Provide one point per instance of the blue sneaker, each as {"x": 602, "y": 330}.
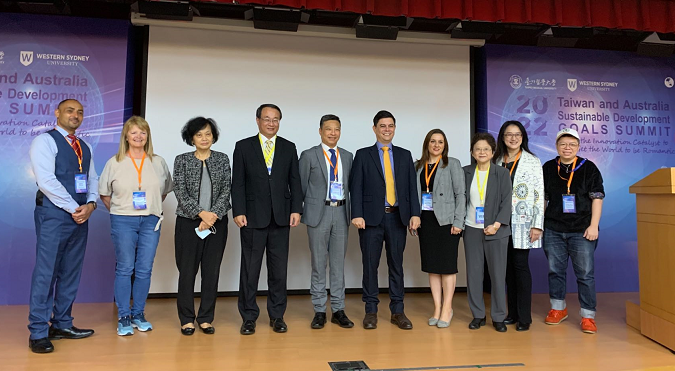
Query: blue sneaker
{"x": 139, "y": 322}
{"x": 124, "y": 326}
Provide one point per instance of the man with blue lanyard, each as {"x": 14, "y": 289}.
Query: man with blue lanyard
{"x": 66, "y": 197}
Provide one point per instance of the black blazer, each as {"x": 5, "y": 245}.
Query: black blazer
{"x": 368, "y": 191}
{"x": 260, "y": 195}
{"x": 497, "y": 198}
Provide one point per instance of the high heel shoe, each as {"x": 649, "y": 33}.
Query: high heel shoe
{"x": 443, "y": 324}
{"x": 433, "y": 321}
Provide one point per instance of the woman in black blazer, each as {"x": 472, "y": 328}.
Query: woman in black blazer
{"x": 486, "y": 233}
{"x": 202, "y": 181}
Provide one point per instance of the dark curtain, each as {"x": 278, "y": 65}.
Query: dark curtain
{"x": 643, "y": 15}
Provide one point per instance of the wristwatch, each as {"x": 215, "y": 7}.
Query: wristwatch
{"x": 93, "y": 203}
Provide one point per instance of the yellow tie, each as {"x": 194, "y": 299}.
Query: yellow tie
{"x": 268, "y": 154}
{"x": 389, "y": 177}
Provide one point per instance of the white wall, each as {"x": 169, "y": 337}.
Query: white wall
{"x": 226, "y": 75}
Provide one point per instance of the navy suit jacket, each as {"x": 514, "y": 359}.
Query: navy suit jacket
{"x": 368, "y": 190}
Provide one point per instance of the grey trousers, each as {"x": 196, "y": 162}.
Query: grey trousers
{"x": 328, "y": 244}
{"x": 476, "y": 250}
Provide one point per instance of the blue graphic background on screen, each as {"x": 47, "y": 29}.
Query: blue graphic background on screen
{"x": 531, "y": 85}
{"x": 105, "y": 43}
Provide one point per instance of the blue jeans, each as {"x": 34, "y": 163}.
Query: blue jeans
{"x": 559, "y": 247}
{"x": 135, "y": 241}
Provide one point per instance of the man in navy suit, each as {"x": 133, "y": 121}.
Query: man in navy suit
{"x": 384, "y": 203}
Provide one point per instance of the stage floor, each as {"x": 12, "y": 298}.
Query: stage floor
{"x": 564, "y": 347}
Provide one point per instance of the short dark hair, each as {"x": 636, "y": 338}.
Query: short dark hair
{"x": 196, "y": 124}
{"x": 258, "y": 112}
{"x": 383, "y": 115}
{"x": 486, "y": 137}
{"x": 58, "y": 106}
{"x": 328, "y": 117}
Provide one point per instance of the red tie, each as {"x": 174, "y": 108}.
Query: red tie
{"x": 76, "y": 146}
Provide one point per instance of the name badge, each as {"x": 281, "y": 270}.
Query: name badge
{"x": 427, "y": 201}
{"x": 337, "y": 191}
{"x": 480, "y": 215}
{"x": 80, "y": 183}
{"x": 569, "y": 204}
{"x": 139, "y": 200}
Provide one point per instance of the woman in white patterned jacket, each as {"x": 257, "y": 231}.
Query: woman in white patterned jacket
{"x": 527, "y": 218}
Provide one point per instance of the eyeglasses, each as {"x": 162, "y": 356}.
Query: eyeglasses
{"x": 268, "y": 120}
{"x": 513, "y": 135}
{"x": 479, "y": 150}
{"x": 568, "y": 145}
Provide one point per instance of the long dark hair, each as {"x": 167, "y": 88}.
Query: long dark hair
{"x": 425, "y": 149}
{"x": 501, "y": 146}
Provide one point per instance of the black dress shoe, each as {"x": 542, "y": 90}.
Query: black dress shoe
{"x": 341, "y": 319}
{"x": 69, "y": 333}
{"x": 522, "y": 326}
{"x": 187, "y": 331}
{"x": 476, "y": 323}
{"x": 509, "y": 321}
{"x": 41, "y": 345}
{"x": 319, "y": 320}
{"x": 208, "y": 330}
{"x": 278, "y": 325}
{"x": 499, "y": 326}
{"x": 370, "y": 321}
{"x": 400, "y": 320}
{"x": 247, "y": 328}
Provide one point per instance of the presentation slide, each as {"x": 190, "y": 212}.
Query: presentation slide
{"x": 44, "y": 60}
{"x": 226, "y": 75}
{"x": 623, "y": 106}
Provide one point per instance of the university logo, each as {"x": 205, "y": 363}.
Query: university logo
{"x": 2, "y": 55}
{"x": 668, "y": 81}
{"x": 26, "y": 58}
{"x": 572, "y": 84}
{"x": 516, "y": 81}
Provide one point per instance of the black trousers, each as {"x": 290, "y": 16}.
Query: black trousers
{"x": 393, "y": 233}
{"x": 191, "y": 252}
{"x": 519, "y": 284}
{"x": 272, "y": 239}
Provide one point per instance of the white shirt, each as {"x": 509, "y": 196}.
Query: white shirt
{"x": 330, "y": 169}
{"x": 474, "y": 200}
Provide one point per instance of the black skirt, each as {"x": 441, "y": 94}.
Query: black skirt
{"x": 438, "y": 246}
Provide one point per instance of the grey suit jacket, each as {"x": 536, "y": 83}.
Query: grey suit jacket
{"x": 497, "y": 198}
{"x": 314, "y": 178}
{"x": 448, "y": 193}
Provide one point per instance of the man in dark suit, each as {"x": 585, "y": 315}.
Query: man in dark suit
{"x": 384, "y": 202}
{"x": 324, "y": 174}
{"x": 266, "y": 202}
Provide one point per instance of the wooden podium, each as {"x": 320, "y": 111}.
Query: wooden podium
{"x": 654, "y": 317}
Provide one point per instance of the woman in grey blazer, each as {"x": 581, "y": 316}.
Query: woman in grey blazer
{"x": 486, "y": 233}
{"x": 202, "y": 184}
{"x": 441, "y": 194}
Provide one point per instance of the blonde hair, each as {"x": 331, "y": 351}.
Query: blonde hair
{"x": 124, "y": 145}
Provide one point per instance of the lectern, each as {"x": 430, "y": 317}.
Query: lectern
{"x": 655, "y": 206}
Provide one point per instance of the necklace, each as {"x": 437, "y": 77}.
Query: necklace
{"x": 567, "y": 167}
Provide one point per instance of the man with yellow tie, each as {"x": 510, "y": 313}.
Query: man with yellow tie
{"x": 384, "y": 204}
{"x": 266, "y": 203}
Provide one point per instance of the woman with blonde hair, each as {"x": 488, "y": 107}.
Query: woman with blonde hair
{"x": 132, "y": 186}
